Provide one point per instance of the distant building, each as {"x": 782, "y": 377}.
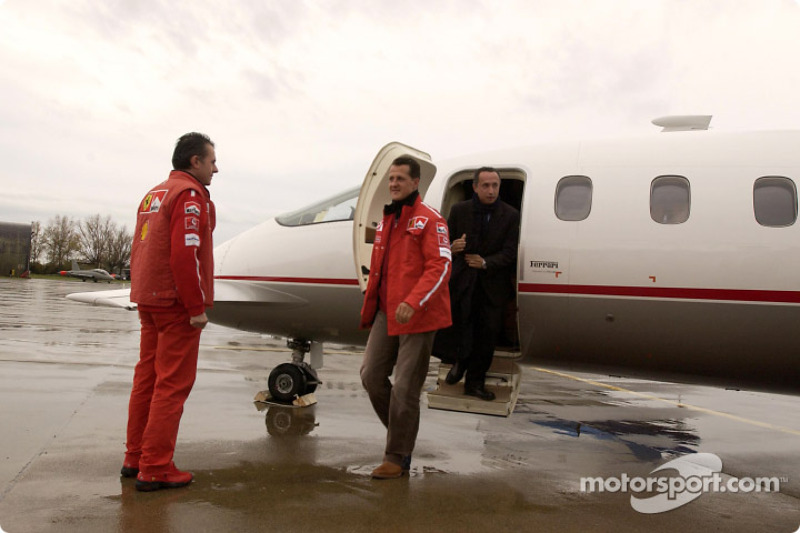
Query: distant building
{"x": 15, "y": 249}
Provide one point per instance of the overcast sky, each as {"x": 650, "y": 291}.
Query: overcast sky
{"x": 300, "y": 95}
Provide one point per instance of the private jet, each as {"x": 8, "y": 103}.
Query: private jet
{"x": 96, "y": 274}
{"x": 672, "y": 256}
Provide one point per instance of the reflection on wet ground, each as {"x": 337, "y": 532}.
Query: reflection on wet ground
{"x": 678, "y": 439}
{"x": 66, "y": 371}
{"x": 289, "y": 421}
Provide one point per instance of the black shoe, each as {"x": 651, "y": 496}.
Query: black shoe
{"x": 455, "y": 374}
{"x": 129, "y": 471}
{"x": 479, "y": 392}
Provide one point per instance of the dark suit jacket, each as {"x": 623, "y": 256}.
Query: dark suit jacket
{"x": 498, "y": 249}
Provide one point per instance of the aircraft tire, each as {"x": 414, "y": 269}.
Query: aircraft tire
{"x": 286, "y": 381}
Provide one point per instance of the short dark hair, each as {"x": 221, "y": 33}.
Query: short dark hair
{"x": 413, "y": 165}
{"x": 483, "y": 169}
{"x": 189, "y": 145}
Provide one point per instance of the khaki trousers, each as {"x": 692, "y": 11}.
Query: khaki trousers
{"x": 397, "y": 404}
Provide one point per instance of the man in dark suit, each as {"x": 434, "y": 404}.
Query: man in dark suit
{"x": 484, "y": 232}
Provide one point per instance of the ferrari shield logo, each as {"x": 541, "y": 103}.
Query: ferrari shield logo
{"x": 152, "y": 202}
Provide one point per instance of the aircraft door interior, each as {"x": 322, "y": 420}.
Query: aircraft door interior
{"x": 374, "y": 194}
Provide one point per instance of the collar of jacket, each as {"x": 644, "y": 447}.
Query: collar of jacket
{"x": 483, "y": 208}
{"x": 397, "y": 206}
{"x": 182, "y": 174}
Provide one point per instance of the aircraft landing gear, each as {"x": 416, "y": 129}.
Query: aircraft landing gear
{"x": 297, "y": 378}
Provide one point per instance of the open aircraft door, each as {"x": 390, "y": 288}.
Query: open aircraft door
{"x": 374, "y": 195}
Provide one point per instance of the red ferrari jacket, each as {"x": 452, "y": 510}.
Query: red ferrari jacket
{"x": 172, "y": 262}
{"x": 418, "y": 270}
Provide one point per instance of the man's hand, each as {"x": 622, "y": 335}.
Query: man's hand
{"x": 198, "y": 321}
{"x": 458, "y": 245}
{"x": 404, "y": 313}
{"x": 474, "y": 261}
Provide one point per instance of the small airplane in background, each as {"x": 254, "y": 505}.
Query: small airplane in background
{"x": 96, "y": 274}
{"x": 673, "y": 256}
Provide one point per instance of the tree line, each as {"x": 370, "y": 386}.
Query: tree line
{"x": 95, "y": 241}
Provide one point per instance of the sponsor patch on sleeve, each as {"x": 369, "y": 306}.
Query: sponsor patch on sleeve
{"x": 443, "y": 240}
{"x": 152, "y": 202}
{"x": 191, "y": 208}
{"x": 192, "y": 239}
{"x": 445, "y": 252}
{"x": 441, "y": 229}
{"x": 192, "y": 223}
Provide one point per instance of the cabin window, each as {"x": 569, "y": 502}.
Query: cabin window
{"x": 670, "y": 199}
{"x": 775, "y": 201}
{"x": 339, "y": 207}
{"x": 573, "y": 198}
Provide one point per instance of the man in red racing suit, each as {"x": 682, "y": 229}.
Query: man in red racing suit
{"x": 172, "y": 269}
{"x": 407, "y": 300}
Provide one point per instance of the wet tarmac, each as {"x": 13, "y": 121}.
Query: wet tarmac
{"x": 64, "y": 384}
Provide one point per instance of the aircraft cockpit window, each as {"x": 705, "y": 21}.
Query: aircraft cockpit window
{"x": 775, "y": 201}
{"x": 670, "y": 199}
{"x": 337, "y": 208}
{"x": 573, "y": 198}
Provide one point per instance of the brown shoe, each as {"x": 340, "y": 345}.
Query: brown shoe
{"x": 388, "y": 470}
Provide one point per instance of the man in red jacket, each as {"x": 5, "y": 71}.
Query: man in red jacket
{"x": 172, "y": 281}
{"x": 407, "y": 300}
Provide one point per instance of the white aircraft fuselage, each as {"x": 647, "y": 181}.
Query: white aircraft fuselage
{"x": 672, "y": 256}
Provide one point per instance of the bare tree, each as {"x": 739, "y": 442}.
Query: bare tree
{"x": 59, "y": 240}
{"x": 119, "y": 249}
{"x": 94, "y": 235}
{"x": 36, "y": 241}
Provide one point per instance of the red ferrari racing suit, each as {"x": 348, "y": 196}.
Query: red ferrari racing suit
{"x": 172, "y": 271}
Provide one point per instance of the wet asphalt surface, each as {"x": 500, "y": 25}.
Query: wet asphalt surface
{"x": 65, "y": 374}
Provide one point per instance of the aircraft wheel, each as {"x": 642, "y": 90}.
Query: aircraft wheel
{"x": 286, "y": 381}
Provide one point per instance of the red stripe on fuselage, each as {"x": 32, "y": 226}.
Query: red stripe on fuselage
{"x": 670, "y": 293}
{"x": 675, "y": 293}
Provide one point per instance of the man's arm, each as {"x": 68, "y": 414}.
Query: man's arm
{"x": 507, "y": 255}
{"x": 458, "y": 233}
{"x": 186, "y": 233}
{"x": 436, "y": 268}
